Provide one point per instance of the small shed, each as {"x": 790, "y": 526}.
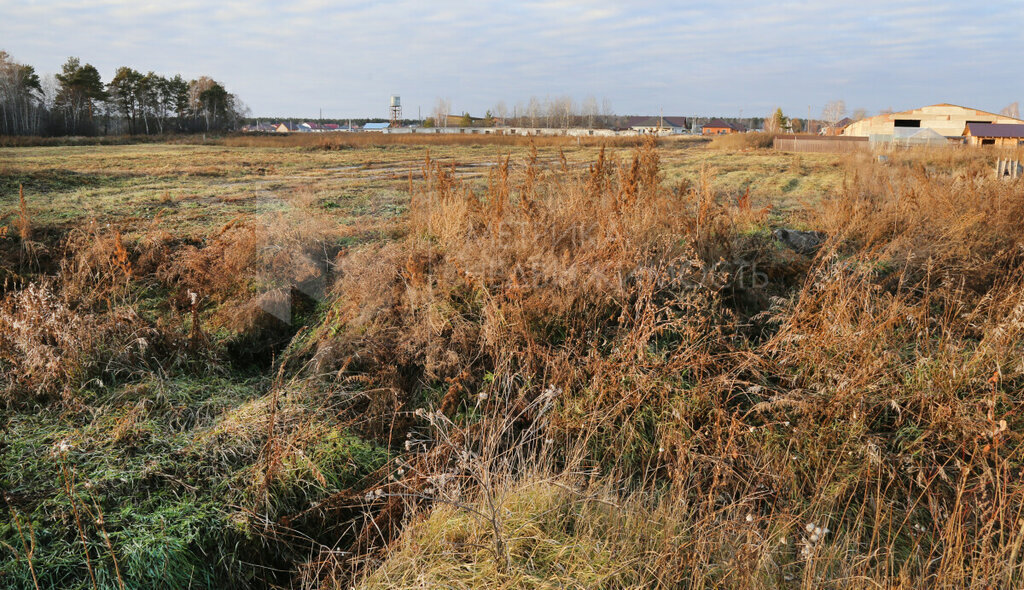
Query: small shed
{"x": 997, "y": 134}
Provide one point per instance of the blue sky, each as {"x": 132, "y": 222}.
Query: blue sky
{"x": 295, "y": 58}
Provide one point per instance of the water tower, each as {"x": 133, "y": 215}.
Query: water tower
{"x": 396, "y": 110}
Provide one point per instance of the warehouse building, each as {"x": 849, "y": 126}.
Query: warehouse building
{"x": 946, "y": 120}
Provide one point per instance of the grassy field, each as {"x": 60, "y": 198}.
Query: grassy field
{"x": 267, "y": 362}
{"x": 196, "y": 187}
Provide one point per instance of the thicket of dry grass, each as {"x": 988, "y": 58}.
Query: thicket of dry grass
{"x": 742, "y": 141}
{"x": 574, "y": 377}
{"x": 868, "y": 435}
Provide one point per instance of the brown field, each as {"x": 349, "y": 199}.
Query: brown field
{"x": 493, "y": 363}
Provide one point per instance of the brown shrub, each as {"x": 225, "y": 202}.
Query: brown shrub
{"x": 248, "y": 258}
{"x": 97, "y": 266}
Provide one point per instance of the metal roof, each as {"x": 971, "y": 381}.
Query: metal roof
{"x": 657, "y": 121}
{"x": 995, "y": 129}
{"x": 667, "y": 122}
{"x": 720, "y": 124}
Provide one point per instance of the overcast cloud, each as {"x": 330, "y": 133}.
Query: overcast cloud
{"x": 295, "y": 58}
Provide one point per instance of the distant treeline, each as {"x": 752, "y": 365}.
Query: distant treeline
{"x": 77, "y": 102}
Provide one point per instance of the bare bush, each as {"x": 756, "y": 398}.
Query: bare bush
{"x": 49, "y": 348}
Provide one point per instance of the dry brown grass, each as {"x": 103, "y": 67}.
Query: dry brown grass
{"x": 742, "y": 141}
{"x": 880, "y": 401}
{"x": 35, "y": 140}
{"x": 587, "y": 377}
{"x": 61, "y": 331}
{"x": 517, "y": 280}
{"x": 49, "y": 347}
{"x": 338, "y": 141}
{"x": 23, "y": 223}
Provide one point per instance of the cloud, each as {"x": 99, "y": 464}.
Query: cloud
{"x": 294, "y": 58}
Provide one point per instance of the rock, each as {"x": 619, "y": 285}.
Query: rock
{"x": 804, "y": 242}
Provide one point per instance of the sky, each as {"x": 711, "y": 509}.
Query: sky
{"x": 728, "y": 57}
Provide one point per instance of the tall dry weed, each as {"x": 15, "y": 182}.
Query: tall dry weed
{"x": 526, "y": 277}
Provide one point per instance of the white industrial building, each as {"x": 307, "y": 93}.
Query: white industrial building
{"x": 928, "y": 125}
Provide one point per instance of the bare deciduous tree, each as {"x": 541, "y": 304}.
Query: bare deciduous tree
{"x": 607, "y": 114}
{"x": 442, "y": 107}
{"x": 533, "y": 111}
{"x": 834, "y": 112}
{"x": 560, "y": 112}
{"x": 1011, "y": 110}
{"x": 589, "y": 111}
{"x": 501, "y": 111}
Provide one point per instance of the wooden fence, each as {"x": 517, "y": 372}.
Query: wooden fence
{"x": 820, "y": 144}
{"x": 1008, "y": 169}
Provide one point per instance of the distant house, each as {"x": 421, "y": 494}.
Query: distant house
{"x": 331, "y": 126}
{"x": 997, "y": 134}
{"x": 376, "y": 126}
{"x": 836, "y": 129}
{"x": 286, "y": 127}
{"x": 458, "y": 120}
{"x": 658, "y": 124}
{"x": 720, "y": 127}
{"x": 310, "y": 127}
{"x": 260, "y": 128}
